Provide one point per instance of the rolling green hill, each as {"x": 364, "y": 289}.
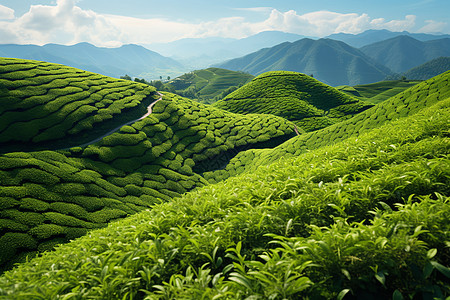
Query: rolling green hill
{"x": 297, "y": 97}
{"x": 406, "y": 103}
{"x": 208, "y": 85}
{"x": 47, "y": 106}
{"x": 50, "y": 197}
{"x": 365, "y": 218}
{"x": 402, "y": 53}
{"x": 375, "y": 93}
{"x": 332, "y": 62}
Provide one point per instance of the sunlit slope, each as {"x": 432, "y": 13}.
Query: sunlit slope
{"x": 45, "y": 105}
{"x": 207, "y": 84}
{"x": 49, "y": 197}
{"x": 403, "y": 104}
{"x": 375, "y": 93}
{"x": 297, "y": 97}
{"x": 366, "y": 217}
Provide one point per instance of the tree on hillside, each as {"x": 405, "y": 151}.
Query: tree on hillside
{"x": 126, "y": 77}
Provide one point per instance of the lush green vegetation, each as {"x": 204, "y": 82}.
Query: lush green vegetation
{"x": 44, "y": 104}
{"x": 49, "y": 197}
{"x": 297, "y": 97}
{"x": 208, "y": 85}
{"x": 366, "y": 218}
{"x": 403, "y": 104}
{"x": 375, "y": 93}
{"x": 171, "y": 207}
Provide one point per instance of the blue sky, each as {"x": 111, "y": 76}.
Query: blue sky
{"x": 112, "y": 23}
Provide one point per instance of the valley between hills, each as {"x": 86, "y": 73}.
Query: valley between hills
{"x": 275, "y": 186}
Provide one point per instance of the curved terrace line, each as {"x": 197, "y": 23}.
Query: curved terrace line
{"x": 149, "y": 111}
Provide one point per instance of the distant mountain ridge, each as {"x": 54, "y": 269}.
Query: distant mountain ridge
{"x": 131, "y": 59}
{"x": 403, "y": 52}
{"x": 201, "y": 52}
{"x": 332, "y": 62}
{"x": 372, "y": 36}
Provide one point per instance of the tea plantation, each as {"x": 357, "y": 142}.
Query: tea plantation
{"x": 46, "y": 105}
{"x": 49, "y": 197}
{"x": 196, "y": 202}
{"x": 297, "y": 97}
{"x": 366, "y": 218}
{"x": 403, "y": 104}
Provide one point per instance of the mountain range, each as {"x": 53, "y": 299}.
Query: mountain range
{"x": 337, "y": 63}
{"x": 332, "y": 62}
{"x": 130, "y": 59}
{"x": 404, "y": 52}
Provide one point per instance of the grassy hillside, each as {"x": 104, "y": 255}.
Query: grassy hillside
{"x": 45, "y": 106}
{"x": 332, "y": 62}
{"x": 49, "y": 197}
{"x": 403, "y": 104}
{"x": 403, "y": 52}
{"x": 208, "y": 85}
{"x": 375, "y": 93}
{"x": 297, "y": 97}
{"x": 366, "y": 218}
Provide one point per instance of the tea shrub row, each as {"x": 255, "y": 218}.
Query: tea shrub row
{"x": 364, "y": 218}
{"x": 297, "y": 97}
{"x": 42, "y": 102}
{"x": 402, "y": 105}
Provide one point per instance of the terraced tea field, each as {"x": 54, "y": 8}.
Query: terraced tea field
{"x": 49, "y": 197}
{"x": 307, "y": 102}
{"x": 192, "y": 201}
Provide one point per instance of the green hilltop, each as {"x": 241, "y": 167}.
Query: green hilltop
{"x": 403, "y": 104}
{"x": 197, "y": 202}
{"x": 307, "y": 102}
{"x": 208, "y": 85}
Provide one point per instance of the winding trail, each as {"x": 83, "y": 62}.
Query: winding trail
{"x": 149, "y": 111}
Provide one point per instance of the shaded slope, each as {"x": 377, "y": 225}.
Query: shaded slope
{"x": 297, "y": 97}
{"x": 45, "y": 105}
{"x": 429, "y": 69}
{"x": 407, "y": 103}
{"x": 49, "y": 197}
{"x": 308, "y": 227}
{"x": 332, "y": 62}
{"x": 403, "y": 52}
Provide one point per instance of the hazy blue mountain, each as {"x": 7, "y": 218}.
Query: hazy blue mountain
{"x": 404, "y": 52}
{"x": 426, "y": 71}
{"x": 372, "y": 36}
{"x": 202, "y": 52}
{"x": 133, "y": 60}
{"x": 332, "y": 62}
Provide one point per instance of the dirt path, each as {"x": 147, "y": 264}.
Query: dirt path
{"x": 149, "y": 111}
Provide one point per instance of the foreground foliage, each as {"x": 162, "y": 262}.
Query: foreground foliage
{"x": 366, "y": 218}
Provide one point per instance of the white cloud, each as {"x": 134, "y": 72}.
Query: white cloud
{"x": 66, "y": 23}
{"x": 433, "y": 27}
{"x": 6, "y": 13}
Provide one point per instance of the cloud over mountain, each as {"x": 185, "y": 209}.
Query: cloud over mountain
{"x": 67, "y": 23}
